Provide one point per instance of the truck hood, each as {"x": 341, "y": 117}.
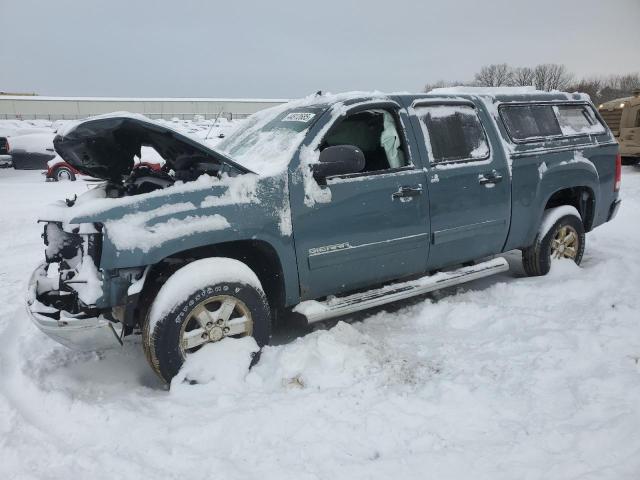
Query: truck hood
{"x": 105, "y": 146}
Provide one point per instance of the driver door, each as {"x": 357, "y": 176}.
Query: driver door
{"x": 373, "y": 225}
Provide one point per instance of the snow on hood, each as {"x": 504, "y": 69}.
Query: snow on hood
{"x": 105, "y": 146}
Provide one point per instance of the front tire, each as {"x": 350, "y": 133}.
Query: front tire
{"x": 561, "y": 238}
{"x": 203, "y": 302}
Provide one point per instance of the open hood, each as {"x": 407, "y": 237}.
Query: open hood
{"x": 105, "y": 146}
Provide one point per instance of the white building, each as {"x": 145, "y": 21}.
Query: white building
{"x": 56, "y": 108}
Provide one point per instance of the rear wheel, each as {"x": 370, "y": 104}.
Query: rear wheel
{"x": 563, "y": 238}
{"x": 630, "y": 160}
{"x": 64, "y": 174}
{"x": 197, "y": 306}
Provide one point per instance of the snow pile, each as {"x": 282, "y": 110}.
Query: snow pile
{"x": 222, "y": 366}
{"x": 336, "y": 358}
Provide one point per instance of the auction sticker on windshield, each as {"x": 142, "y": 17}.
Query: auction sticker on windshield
{"x": 299, "y": 117}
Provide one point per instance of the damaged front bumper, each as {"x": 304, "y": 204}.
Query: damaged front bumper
{"x": 76, "y": 331}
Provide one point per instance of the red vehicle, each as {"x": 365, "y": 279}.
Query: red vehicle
{"x": 58, "y": 169}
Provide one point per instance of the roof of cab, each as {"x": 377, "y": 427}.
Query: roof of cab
{"x": 506, "y": 94}
{"x": 495, "y": 94}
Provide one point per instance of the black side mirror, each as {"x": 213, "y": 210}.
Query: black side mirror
{"x": 338, "y": 160}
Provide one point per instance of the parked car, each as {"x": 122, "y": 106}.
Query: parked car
{"x": 623, "y": 117}
{"x": 318, "y": 208}
{"x": 5, "y": 154}
{"x": 59, "y": 170}
{"x": 32, "y": 151}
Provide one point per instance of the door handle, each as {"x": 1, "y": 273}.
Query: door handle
{"x": 489, "y": 178}
{"x": 407, "y": 191}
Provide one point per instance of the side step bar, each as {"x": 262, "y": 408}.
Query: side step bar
{"x": 316, "y": 311}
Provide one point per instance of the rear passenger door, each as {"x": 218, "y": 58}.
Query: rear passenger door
{"x": 468, "y": 180}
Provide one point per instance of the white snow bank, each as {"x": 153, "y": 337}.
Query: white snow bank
{"x": 33, "y": 143}
{"x": 333, "y": 358}
{"x": 197, "y": 275}
{"x": 222, "y": 366}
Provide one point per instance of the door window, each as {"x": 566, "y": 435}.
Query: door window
{"x": 454, "y": 133}
{"x": 374, "y": 132}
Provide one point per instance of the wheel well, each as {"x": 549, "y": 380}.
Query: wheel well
{"x": 580, "y": 197}
{"x": 259, "y": 256}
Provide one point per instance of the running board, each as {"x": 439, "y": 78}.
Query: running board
{"x": 316, "y": 311}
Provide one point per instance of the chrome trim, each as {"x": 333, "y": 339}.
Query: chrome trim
{"x": 316, "y": 311}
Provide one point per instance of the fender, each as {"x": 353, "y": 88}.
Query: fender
{"x": 535, "y": 181}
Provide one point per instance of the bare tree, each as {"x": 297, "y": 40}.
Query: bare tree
{"x": 494, "y": 75}
{"x": 627, "y": 83}
{"x": 551, "y": 76}
{"x": 440, "y": 84}
{"x": 592, "y": 86}
{"x": 522, "y": 77}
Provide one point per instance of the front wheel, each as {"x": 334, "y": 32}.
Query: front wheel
{"x": 203, "y": 302}
{"x": 561, "y": 236}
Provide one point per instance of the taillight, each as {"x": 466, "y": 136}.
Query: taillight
{"x": 618, "y": 180}
{"x": 6, "y": 145}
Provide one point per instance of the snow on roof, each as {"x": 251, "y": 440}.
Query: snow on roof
{"x": 486, "y": 90}
{"x": 496, "y": 92}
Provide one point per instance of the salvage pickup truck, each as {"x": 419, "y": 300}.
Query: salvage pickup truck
{"x": 318, "y": 208}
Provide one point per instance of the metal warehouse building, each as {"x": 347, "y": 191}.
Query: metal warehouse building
{"x": 56, "y": 108}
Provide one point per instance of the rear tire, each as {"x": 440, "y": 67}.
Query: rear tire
{"x": 565, "y": 239}
{"x": 64, "y": 174}
{"x": 630, "y": 160}
{"x": 208, "y": 311}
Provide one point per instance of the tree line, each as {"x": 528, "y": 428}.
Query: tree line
{"x": 550, "y": 76}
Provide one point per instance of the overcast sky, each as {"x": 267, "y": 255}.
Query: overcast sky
{"x": 286, "y": 49}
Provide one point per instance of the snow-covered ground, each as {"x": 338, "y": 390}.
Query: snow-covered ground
{"x": 506, "y": 378}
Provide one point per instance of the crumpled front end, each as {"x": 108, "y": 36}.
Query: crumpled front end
{"x": 64, "y": 291}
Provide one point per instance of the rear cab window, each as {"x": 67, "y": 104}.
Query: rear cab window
{"x": 538, "y": 122}
{"x": 453, "y": 133}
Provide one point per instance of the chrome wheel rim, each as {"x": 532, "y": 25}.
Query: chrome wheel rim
{"x": 214, "y": 319}
{"x": 565, "y": 243}
{"x": 64, "y": 175}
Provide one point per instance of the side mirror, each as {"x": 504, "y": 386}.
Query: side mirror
{"x": 339, "y": 160}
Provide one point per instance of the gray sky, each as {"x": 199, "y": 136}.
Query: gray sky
{"x": 241, "y": 48}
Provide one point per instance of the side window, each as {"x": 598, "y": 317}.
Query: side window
{"x": 577, "y": 119}
{"x": 638, "y": 118}
{"x": 453, "y": 132}
{"x": 374, "y": 132}
{"x": 530, "y": 122}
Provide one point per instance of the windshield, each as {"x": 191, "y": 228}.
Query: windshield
{"x": 266, "y": 141}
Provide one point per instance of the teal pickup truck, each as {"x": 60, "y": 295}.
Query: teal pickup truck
{"x": 320, "y": 207}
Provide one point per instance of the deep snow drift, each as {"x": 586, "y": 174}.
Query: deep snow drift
{"x": 504, "y": 378}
